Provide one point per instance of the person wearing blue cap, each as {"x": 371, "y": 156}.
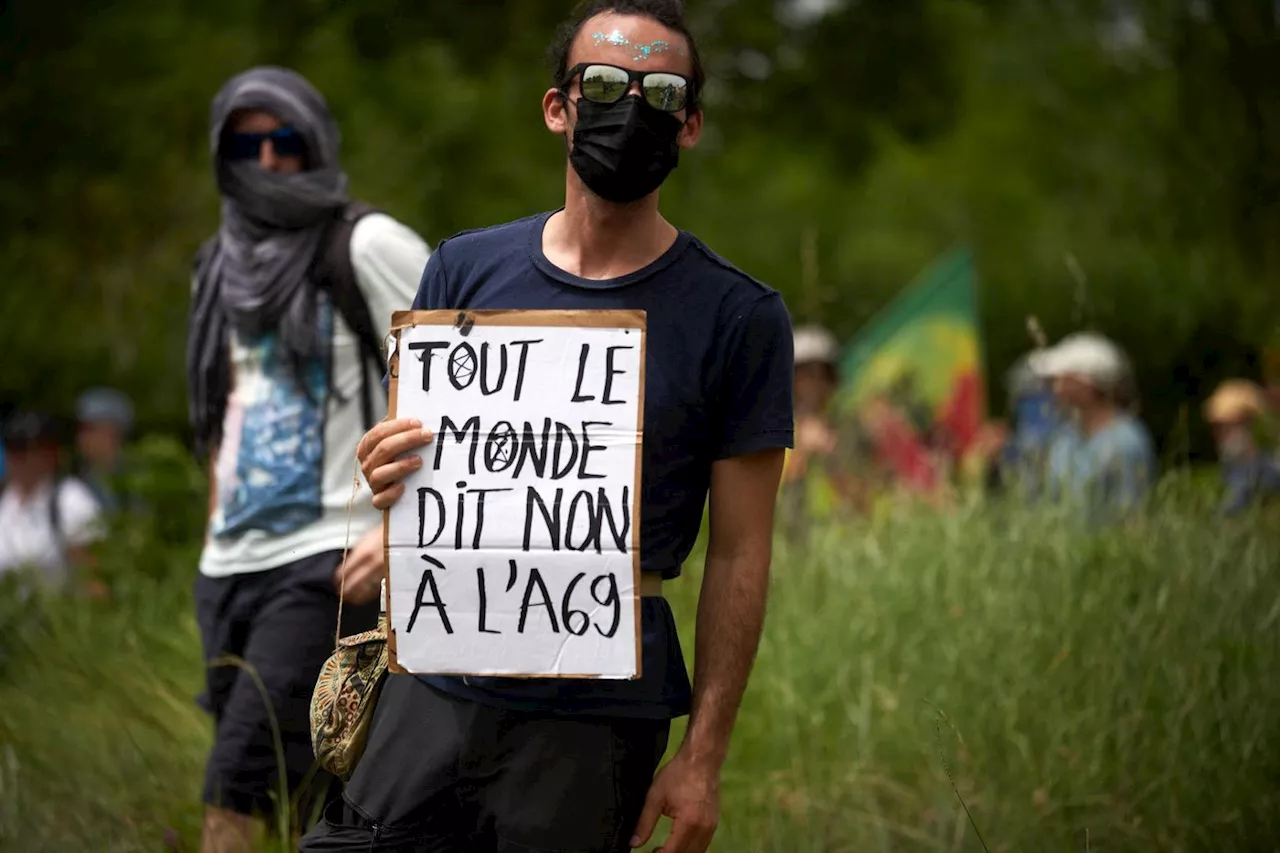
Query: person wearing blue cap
{"x": 104, "y": 421}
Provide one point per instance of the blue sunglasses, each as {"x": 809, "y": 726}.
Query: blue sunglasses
{"x": 285, "y": 142}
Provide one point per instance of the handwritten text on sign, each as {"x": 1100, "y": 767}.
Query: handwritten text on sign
{"x": 512, "y": 551}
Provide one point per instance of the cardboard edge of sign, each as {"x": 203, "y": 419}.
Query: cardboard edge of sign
{"x": 463, "y": 321}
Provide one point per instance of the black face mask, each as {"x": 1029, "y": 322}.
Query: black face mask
{"x": 623, "y": 151}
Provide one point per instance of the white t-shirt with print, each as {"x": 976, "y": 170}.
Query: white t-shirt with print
{"x": 27, "y": 537}
{"x": 285, "y": 468}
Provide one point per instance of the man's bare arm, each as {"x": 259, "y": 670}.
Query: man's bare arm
{"x": 731, "y": 607}
{"x": 730, "y": 617}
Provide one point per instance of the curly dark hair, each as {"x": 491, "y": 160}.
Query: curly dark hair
{"x": 669, "y": 13}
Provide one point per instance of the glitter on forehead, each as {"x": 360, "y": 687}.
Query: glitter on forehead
{"x": 614, "y": 38}
{"x": 642, "y": 51}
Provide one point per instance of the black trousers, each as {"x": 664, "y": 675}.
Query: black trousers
{"x": 281, "y": 624}
{"x": 443, "y": 775}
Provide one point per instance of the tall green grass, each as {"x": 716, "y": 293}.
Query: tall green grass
{"x": 923, "y": 679}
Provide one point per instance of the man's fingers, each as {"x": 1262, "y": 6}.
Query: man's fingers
{"x": 386, "y": 476}
{"x": 382, "y": 430}
{"x": 678, "y": 840}
{"x": 648, "y": 818}
{"x": 385, "y": 498}
{"x": 688, "y": 837}
{"x": 393, "y": 447}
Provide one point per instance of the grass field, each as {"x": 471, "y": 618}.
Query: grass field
{"x": 1108, "y": 692}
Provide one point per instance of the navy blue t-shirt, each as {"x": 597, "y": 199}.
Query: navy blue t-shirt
{"x": 718, "y": 376}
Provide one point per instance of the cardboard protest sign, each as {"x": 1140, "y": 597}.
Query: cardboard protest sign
{"x": 514, "y": 550}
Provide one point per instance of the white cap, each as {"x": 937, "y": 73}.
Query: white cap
{"x": 1088, "y": 356}
{"x": 814, "y": 344}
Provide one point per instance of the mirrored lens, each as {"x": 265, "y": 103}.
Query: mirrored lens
{"x": 666, "y": 92}
{"x": 604, "y": 83}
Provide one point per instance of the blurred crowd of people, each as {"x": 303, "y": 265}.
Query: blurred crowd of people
{"x": 1074, "y": 434}
{"x": 59, "y": 482}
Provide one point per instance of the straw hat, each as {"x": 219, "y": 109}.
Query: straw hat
{"x": 1234, "y": 400}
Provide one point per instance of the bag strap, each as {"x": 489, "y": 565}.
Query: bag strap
{"x": 333, "y": 272}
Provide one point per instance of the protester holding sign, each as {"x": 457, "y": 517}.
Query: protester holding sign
{"x": 291, "y": 305}
{"x": 538, "y": 764}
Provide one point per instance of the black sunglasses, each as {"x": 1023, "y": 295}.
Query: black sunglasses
{"x": 608, "y": 84}
{"x": 285, "y": 142}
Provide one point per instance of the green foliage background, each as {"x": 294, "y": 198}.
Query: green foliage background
{"x": 1113, "y": 164}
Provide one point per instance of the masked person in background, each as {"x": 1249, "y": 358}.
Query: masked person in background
{"x": 1249, "y": 474}
{"x": 293, "y": 298}
{"x": 1101, "y": 457}
{"x": 47, "y": 521}
{"x": 495, "y": 764}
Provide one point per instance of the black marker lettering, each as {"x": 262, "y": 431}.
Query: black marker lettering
{"x": 460, "y": 436}
{"x": 475, "y": 540}
{"x": 609, "y": 373}
{"x": 524, "y": 356}
{"x": 603, "y": 507}
{"x": 484, "y": 602}
{"x": 426, "y": 359}
{"x": 457, "y": 525}
{"x": 550, "y": 519}
{"x": 429, "y": 579}
{"x": 610, "y": 599}
{"x": 462, "y": 366}
{"x": 593, "y": 529}
{"x": 422, "y": 515}
{"x": 529, "y": 449}
{"x": 567, "y": 614}
{"x": 564, "y": 432}
{"x": 578, "y": 396}
{"x": 501, "y": 447}
{"x": 587, "y": 447}
{"x": 484, "y": 369}
{"x": 535, "y": 577}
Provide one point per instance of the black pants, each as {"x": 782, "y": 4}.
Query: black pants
{"x": 443, "y": 775}
{"x": 281, "y": 623}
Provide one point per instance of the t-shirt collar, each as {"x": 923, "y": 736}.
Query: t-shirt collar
{"x": 540, "y": 260}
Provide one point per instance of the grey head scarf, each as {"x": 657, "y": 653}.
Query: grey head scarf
{"x": 254, "y": 275}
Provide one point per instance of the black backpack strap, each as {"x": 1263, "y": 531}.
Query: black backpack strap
{"x": 334, "y": 273}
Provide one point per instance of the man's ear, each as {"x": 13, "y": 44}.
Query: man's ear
{"x": 555, "y": 111}
{"x": 691, "y": 132}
